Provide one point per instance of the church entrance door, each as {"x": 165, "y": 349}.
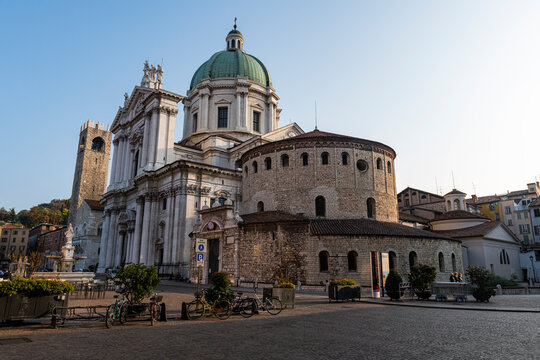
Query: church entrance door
{"x": 213, "y": 256}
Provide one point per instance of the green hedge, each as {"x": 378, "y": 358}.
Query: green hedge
{"x": 33, "y": 287}
{"x": 343, "y": 282}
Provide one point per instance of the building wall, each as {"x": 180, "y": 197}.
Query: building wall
{"x": 87, "y": 236}
{"x": 293, "y": 189}
{"x": 486, "y": 253}
{"x": 13, "y": 241}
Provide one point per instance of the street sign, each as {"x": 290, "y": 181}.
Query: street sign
{"x": 200, "y": 245}
{"x": 200, "y": 257}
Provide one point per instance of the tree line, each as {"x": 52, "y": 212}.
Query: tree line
{"x": 54, "y": 212}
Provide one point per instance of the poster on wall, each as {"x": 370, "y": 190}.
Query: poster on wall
{"x": 375, "y": 274}
{"x": 385, "y": 269}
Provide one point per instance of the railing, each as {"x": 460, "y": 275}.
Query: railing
{"x": 170, "y": 270}
{"x": 91, "y": 291}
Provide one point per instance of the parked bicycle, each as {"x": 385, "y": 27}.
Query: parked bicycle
{"x": 154, "y": 308}
{"x": 220, "y": 308}
{"x": 116, "y": 311}
{"x": 244, "y": 306}
{"x": 271, "y": 304}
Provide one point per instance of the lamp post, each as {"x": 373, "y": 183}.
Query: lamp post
{"x": 533, "y": 269}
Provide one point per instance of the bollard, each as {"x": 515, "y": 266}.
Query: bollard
{"x": 184, "y": 311}
{"x": 162, "y": 312}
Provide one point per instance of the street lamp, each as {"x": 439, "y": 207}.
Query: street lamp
{"x": 533, "y": 269}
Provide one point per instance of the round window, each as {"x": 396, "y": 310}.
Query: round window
{"x": 361, "y": 165}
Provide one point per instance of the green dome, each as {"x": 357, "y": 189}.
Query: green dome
{"x": 230, "y": 64}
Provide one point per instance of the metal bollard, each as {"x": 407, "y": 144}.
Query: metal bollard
{"x": 163, "y": 312}
{"x": 184, "y": 311}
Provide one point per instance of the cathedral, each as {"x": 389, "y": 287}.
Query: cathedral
{"x": 270, "y": 200}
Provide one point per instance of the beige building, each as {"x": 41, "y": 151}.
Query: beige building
{"x": 516, "y": 214}
{"x": 13, "y": 241}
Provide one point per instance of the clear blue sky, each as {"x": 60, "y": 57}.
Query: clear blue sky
{"x": 450, "y": 85}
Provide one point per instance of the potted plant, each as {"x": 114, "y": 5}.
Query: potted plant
{"x": 285, "y": 291}
{"x": 136, "y": 282}
{"x": 343, "y": 289}
{"x": 421, "y": 277}
{"x": 481, "y": 278}
{"x": 29, "y": 298}
{"x": 392, "y": 285}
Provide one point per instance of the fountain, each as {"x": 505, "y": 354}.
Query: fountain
{"x": 63, "y": 264}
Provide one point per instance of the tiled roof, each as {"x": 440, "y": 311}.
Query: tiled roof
{"x": 458, "y": 214}
{"x": 313, "y": 136}
{"x": 95, "y": 205}
{"x": 271, "y": 217}
{"x": 414, "y": 218}
{"x": 455, "y": 192}
{"x": 368, "y": 227}
{"x": 420, "y": 191}
{"x": 484, "y": 199}
{"x": 473, "y": 231}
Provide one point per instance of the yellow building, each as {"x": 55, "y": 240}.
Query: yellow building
{"x": 489, "y": 206}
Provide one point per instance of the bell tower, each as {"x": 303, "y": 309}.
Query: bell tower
{"x": 92, "y": 165}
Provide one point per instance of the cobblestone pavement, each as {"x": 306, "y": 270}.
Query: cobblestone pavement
{"x": 315, "y": 329}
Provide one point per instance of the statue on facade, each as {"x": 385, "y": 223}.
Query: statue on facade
{"x": 159, "y": 76}
{"x": 146, "y": 74}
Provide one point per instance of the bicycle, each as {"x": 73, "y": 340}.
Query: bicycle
{"x": 118, "y": 310}
{"x": 270, "y": 304}
{"x": 244, "y": 306}
{"x": 220, "y": 308}
{"x": 154, "y": 308}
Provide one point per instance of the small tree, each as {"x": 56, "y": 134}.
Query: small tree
{"x": 482, "y": 278}
{"x": 421, "y": 277}
{"x": 136, "y": 281}
{"x": 392, "y": 285}
{"x": 221, "y": 287}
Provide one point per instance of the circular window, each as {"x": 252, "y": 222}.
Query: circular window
{"x": 361, "y": 165}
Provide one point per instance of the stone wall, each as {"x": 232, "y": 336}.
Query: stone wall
{"x": 293, "y": 188}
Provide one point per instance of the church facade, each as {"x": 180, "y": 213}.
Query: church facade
{"x": 269, "y": 200}
{"x": 157, "y": 185}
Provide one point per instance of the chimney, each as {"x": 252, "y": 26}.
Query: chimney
{"x": 475, "y": 199}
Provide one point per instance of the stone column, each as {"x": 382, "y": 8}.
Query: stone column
{"x": 111, "y": 239}
{"x": 115, "y": 161}
{"x": 120, "y": 162}
{"x": 138, "y": 230}
{"x": 176, "y": 223}
{"x": 238, "y": 110}
{"x": 103, "y": 243}
{"x": 145, "y": 233}
{"x": 128, "y": 160}
{"x": 120, "y": 241}
{"x": 152, "y": 230}
{"x": 167, "y": 237}
{"x": 146, "y": 136}
{"x": 203, "y": 110}
{"x": 152, "y": 138}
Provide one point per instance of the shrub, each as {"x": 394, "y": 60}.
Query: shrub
{"x": 136, "y": 281}
{"x": 33, "y": 287}
{"x": 483, "y": 279}
{"x": 221, "y": 287}
{"x": 343, "y": 282}
{"x": 421, "y": 277}
{"x": 499, "y": 280}
{"x": 392, "y": 285}
{"x": 285, "y": 284}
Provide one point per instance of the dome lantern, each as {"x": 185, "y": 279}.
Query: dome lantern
{"x": 235, "y": 40}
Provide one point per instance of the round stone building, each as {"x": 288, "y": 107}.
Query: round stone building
{"x": 316, "y": 207}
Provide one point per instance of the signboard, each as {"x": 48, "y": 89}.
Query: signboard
{"x": 385, "y": 267}
{"x": 200, "y": 259}
{"x": 200, "y": 245}
{"x": 375, "y": 276}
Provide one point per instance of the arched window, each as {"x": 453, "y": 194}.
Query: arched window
{"x": 238, "y": 164}
{"x": 449, "y": 205}
{"x": 260, "y": 206}
{"x": 246, "y": 169}
{"x": 413, "y": 259}
{"x": 324, "y": 258}
{"x": 454, "y": 265}
{"x": 305, "y": 159}
{"x": 98, "y": 144}
{"x": 285, "y": 160}
{"x": 268, "y": 163}
{"x": 379, "y": 164}
{"x": 392, "y": 260}
{"x": 320, "y": 206}
{"x": 255, "y": 167}
{"x": 352, "y": 260}
{"x": 507, "y": 258}
{"x": 345, "y": 158}
{"x": 370, "y": 208}
{"x": 457, "y": 205}
{"x": 135, "y": 164}
{"x": 441, "y": 262}
{"x": 504, "y": 258}
{"x": 389, "y": 167}
{"x": 324, "y": 158}
{"x": 164, "y": 204}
